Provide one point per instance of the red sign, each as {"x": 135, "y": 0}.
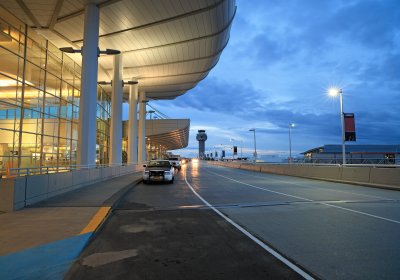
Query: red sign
{"x": 349, "y": 127}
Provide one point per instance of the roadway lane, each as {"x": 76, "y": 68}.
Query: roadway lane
{"x": 336, "y": 231}
{"x": 163, "y": 231}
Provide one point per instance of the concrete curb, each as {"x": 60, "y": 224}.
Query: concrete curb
{"x": 116, "y": 198}
{"x": 53, "y": 260}
{"x": 112, "y": 203}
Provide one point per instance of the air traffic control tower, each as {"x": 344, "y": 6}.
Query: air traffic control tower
{"x": 201, "y": 137}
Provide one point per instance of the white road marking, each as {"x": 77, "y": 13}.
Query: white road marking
{"x": 297, "y": 184}
{"x": 294, "y": 267}
{"x": 307, "y": 199}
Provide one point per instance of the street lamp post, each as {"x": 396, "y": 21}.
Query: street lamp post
{"x": 334, "y": 92}
{"x": 255, "y": 146}
{"x": 291, "y": 125}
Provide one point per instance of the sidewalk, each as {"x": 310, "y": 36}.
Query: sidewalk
{"x": 40, "y": 242}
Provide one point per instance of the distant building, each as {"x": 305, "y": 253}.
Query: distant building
{"x": 355, "y": 154}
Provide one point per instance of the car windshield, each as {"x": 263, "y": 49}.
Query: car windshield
{"x": 173, "y": 158}
{"x": 161, "y": 163}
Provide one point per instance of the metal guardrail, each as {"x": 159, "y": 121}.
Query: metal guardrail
{"x": 354, "y": 162}
{"x": 362, "y": 161}
{"x": 335, "y": 164}
{"x": 26, "y": 171}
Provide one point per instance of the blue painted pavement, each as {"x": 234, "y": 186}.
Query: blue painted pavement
{"x": 49, "y": 261}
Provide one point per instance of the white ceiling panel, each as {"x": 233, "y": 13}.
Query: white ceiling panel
{"x": 70, "y": 7}
{"x": 17, "y": 11}
{"x": 168, "y": 45}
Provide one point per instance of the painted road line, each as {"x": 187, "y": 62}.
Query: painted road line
{"x": 287, "y": 262}
{"x": 311, "y": 187}
{"x": 263, "y": 189}
{"x": 307, "y": 199}
{"x": 97, "y": 219}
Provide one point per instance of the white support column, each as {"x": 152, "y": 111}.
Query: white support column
{"x": 116, "y": 113}
{"x": 86, "y": 153}
{"x": 142, "y": 127}
{"x": 133, "y": 124}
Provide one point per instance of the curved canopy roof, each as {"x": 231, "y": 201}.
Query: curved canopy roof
{"x": 168, "y": 46}
{"x": 171, "y": 134}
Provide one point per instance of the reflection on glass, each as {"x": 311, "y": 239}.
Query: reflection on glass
{"x": 39, "y": 114}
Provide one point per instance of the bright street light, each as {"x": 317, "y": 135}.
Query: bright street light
{"x": 255, "y": 147}
{"x": 291, "y": 125}
{"x": 335, "y": 92}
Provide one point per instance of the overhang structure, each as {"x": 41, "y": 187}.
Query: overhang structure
{"x": 171, "y": 134}
{"x": 168, "y": 46}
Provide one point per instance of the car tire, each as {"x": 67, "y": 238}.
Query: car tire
{"x": 145, "y": 182}
{"x": 172, "y": 181}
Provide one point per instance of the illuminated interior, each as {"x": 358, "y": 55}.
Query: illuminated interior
{"x": 39, "y": 103}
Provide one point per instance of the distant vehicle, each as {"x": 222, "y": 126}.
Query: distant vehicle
{"x": 175, "y": 160}
{"x": 158, "y": 171}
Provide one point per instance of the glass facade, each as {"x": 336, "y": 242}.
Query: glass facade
{"x": 39, "y": 102}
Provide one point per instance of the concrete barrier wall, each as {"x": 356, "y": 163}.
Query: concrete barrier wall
{"x": 271, "y": 169}
{"x": 357, "y": 174}
{"x": 37, "y": 188}
{"x": 383, "y": 177}
{"x": 18, "y": 192}
{"x": 6, "y": 192}
{"x": 251, "y": 167}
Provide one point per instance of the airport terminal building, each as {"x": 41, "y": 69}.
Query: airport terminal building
{"x": 64, "y": 108}
{"x": 355, "y": 154}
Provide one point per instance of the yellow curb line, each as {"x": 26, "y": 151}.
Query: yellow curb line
{"x": 96, "y": 220}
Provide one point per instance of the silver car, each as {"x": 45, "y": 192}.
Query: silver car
{"x": 158, "y": 171}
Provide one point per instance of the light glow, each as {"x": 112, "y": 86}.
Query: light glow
{"x": 7, "y": 83}
{"x": 333, "y": 91}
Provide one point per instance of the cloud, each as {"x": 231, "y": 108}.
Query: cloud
{"x": 281, "y": 58}
{"x": 216, "y": 95}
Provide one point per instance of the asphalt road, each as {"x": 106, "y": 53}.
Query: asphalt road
{"x": 330, "y": 230}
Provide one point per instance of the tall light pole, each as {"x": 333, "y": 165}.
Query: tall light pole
{"x": 335, "y": 92}
{"x": 255, "y": 146}
{"x": 291, "y": 125}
